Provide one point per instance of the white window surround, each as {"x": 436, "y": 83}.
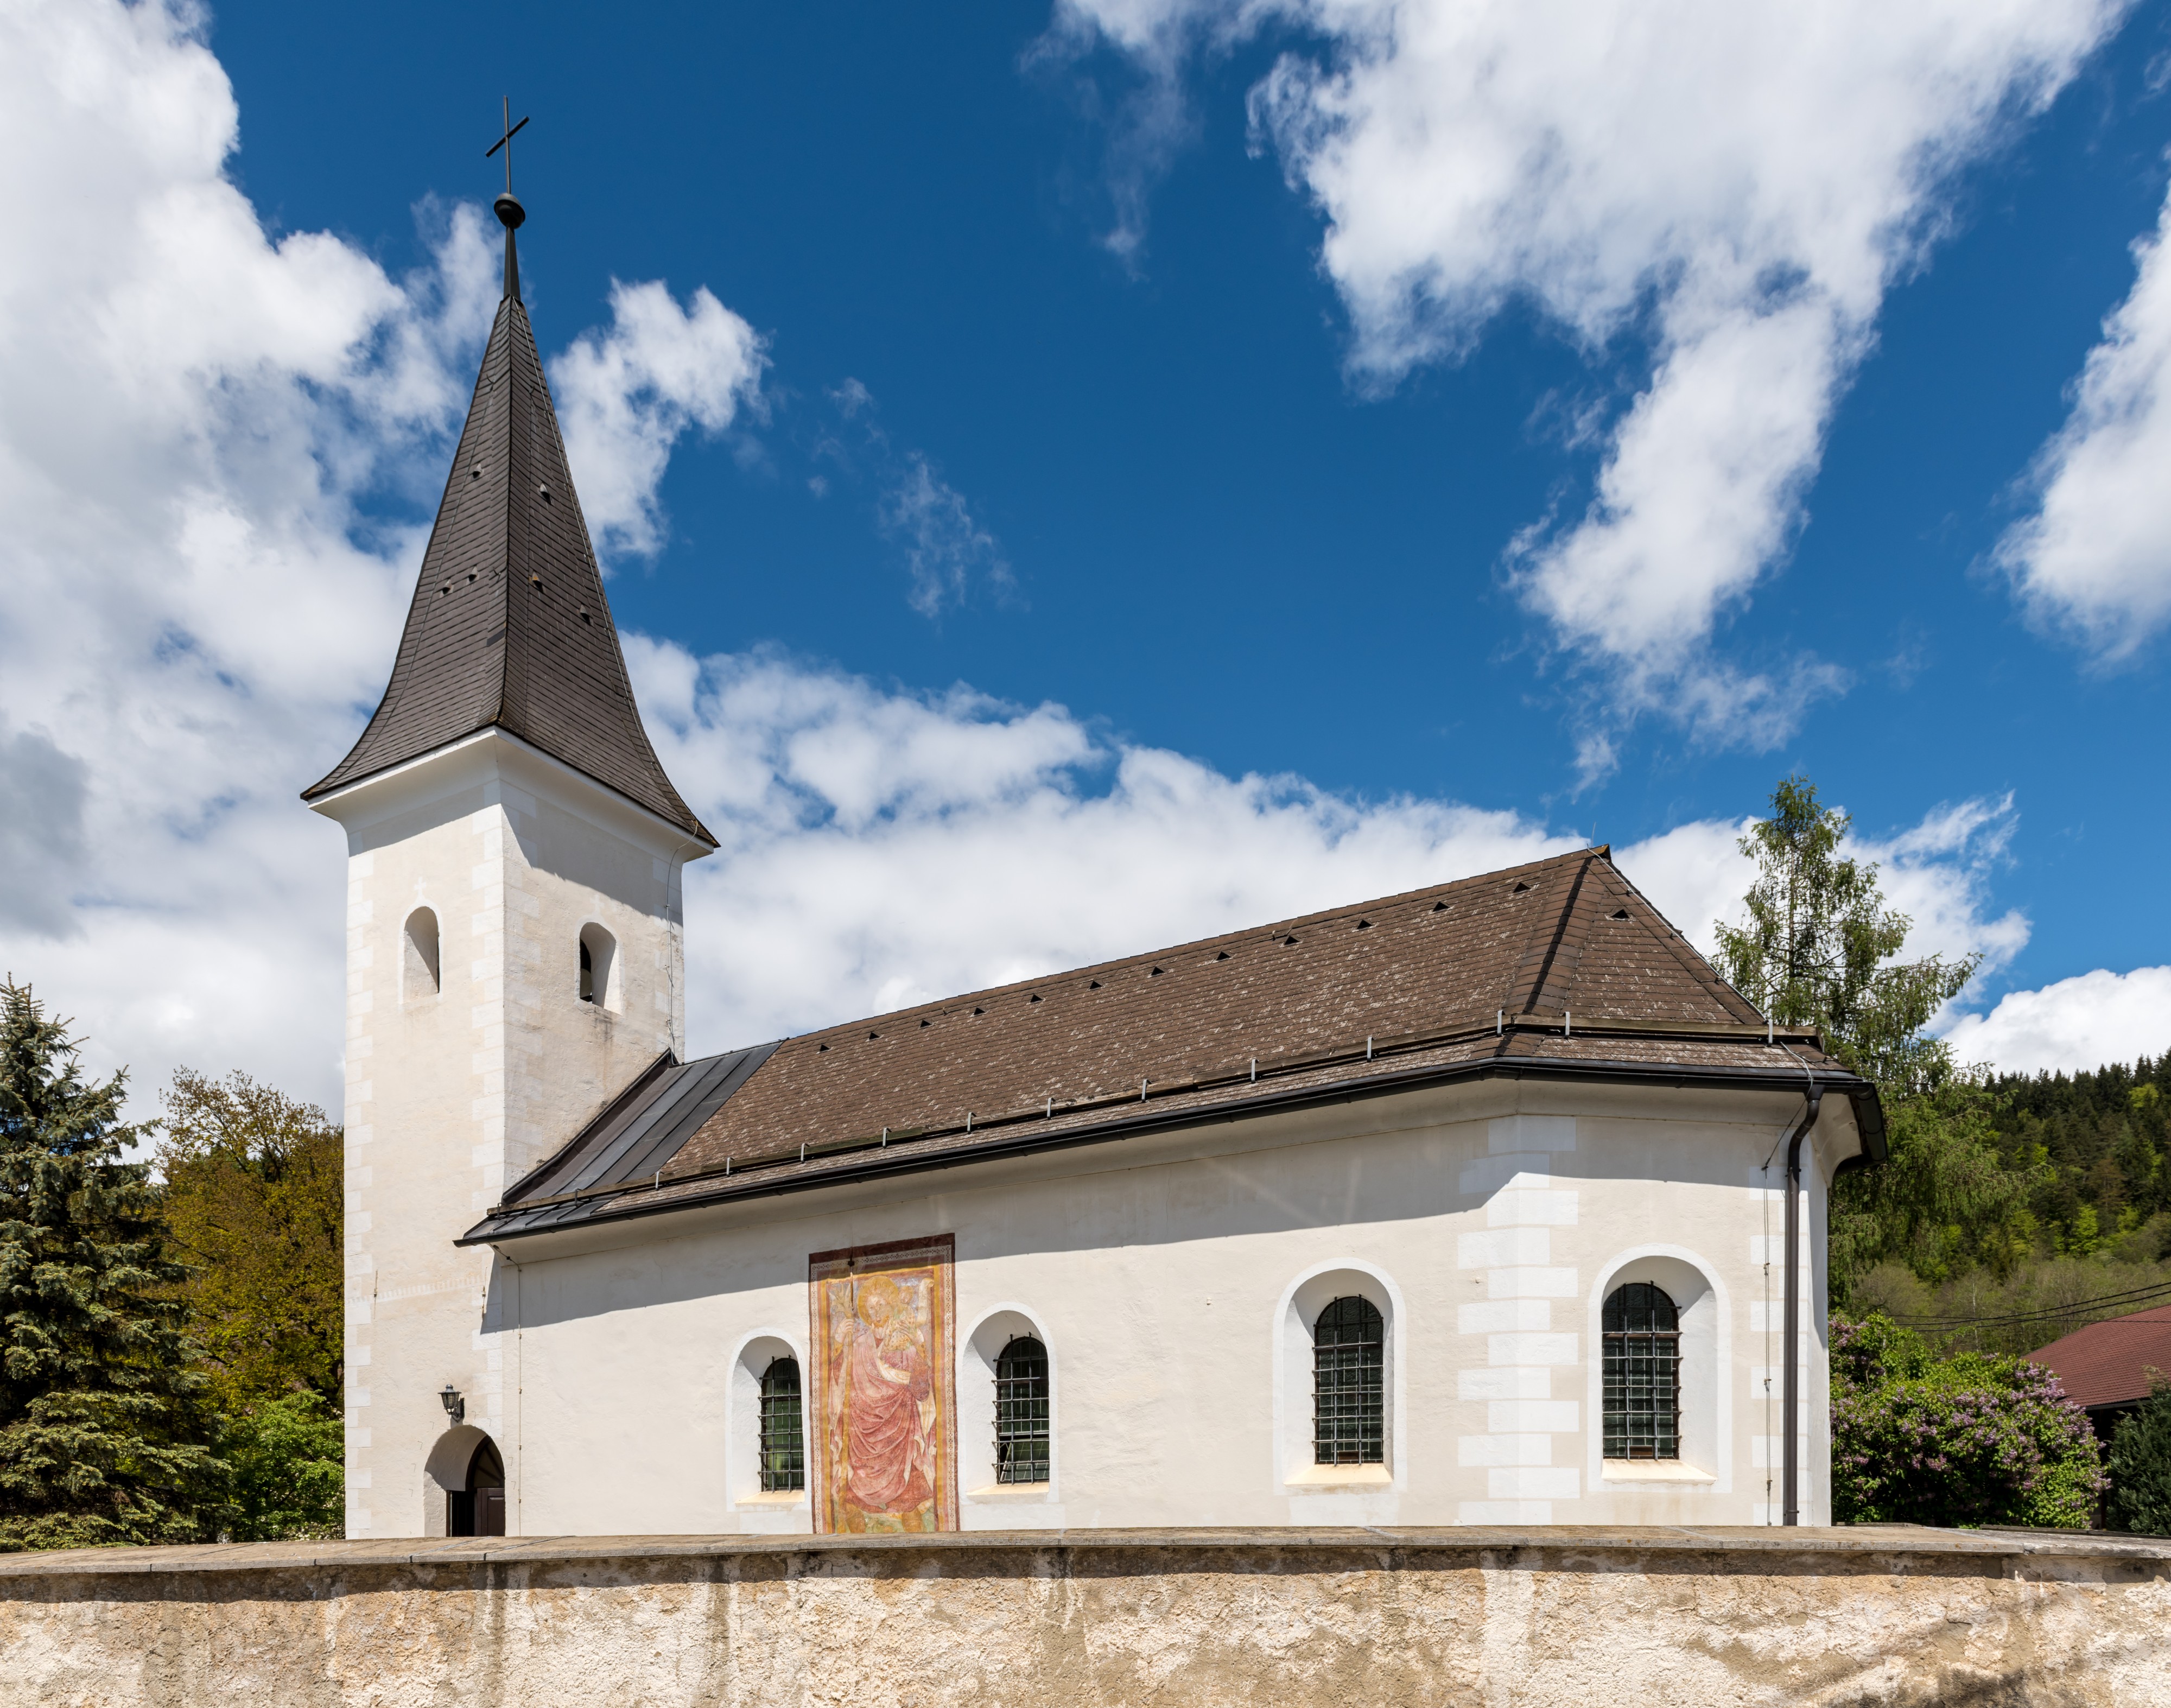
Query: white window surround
{"x": 1706, "y": 1423}
{"x": 420, "y": 959}
{"x": 603, "y": 964}
{"x": 1295, "y": 1472}
{"x": 995, "y": 1328}
{"x": 783, "y": 1509}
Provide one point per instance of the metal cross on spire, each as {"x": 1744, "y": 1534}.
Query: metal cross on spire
{"x": 505, "y": 142}
{"x": 510, "y": 212}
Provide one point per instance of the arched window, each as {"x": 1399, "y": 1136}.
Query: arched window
{"x": 598, "y": 950}
{"x": 1349, "y": 1371}
{"x": 1021, "y": 1412}
{"x": 419, "y": 958}
{"x": 783, "y": 1437}
{"x": 1642, "y": 1373}
{"x": 479, "y": 1509}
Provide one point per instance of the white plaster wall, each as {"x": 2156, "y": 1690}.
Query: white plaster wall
{"x": 1161, "y": 1273}
{"x": 453, "y": 1094}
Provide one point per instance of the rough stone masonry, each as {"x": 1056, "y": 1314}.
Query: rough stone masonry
{"x": 1489, "y": 1618}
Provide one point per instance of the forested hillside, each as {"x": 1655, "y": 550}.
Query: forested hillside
{"x": 2095, "y": 1144}
{"x": 2057, "y": 1204}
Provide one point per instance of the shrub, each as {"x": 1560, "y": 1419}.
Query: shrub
{"x": 1962, "y": 1440}
{"x": 2139, "y": 1467}
{"x": 288, "y": 1480}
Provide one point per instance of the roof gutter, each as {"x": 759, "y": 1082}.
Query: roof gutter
{"x": 1791, "y": 1487}
{"x": 894, "y": 1160}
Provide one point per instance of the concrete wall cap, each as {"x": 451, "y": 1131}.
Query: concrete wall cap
{"x": 1560, "y": 1544}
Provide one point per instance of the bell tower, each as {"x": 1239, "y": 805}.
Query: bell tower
{"x": 515, "y": 940}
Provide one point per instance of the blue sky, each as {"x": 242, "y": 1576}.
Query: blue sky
{"x": 1157, "y": 482}
{"x": 1218, "y": 543}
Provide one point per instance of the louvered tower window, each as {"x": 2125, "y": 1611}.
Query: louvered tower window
{"x": 783, "y": 1440}
{"x": 1350, "y": 1364}
{"x": 1642, "y": 1333}
{"x": 1021, "y": 1412}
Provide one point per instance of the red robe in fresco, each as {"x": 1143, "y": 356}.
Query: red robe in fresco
{"x": 888, "y": 1444}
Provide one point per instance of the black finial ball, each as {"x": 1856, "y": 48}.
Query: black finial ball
{"x": 510, "y": 214}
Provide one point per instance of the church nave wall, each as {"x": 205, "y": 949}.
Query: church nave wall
{"x": 1176, "y": 1281}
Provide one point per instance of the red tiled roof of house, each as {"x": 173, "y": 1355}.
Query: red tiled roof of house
{"x": 2107, "y": 1363}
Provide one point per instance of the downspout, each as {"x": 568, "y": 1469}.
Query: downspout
{"x": 1792, "y": 1343}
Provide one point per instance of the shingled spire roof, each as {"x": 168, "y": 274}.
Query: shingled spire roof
{"x": 510, "y": 628}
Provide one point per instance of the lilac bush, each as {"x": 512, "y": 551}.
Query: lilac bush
{"x": 1967, "y": 1440}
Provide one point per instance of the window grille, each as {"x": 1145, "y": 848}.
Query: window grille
{"x": 1349, "y": 1364}
{"x": 1642, "y": 1333}
{"x": 783, "y": 1441}
{"x": 1021, "y": 1412}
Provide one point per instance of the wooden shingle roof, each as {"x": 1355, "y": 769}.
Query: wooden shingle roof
{"x": 1557, "y": 969}
{"x": 509, "y": 627}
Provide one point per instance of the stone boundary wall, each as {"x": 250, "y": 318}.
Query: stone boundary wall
{"x": 1328, "y": 1619}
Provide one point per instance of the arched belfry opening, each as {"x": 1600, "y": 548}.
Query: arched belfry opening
{"x": 419, "y": 978}
{"x": 478, "y": 1507}
{"x": 598, "y": 968}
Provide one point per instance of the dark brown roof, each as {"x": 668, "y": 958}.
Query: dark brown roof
{"x": 1557, "y": 969}
{"x": 2107, "y": 1363}
{"x": 509, "y": 627}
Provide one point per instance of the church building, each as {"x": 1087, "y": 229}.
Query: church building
{"x": 1489, "y": 1203}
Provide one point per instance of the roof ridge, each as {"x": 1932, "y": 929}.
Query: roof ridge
{"x": 1271, "y": 928}
{"x": 1537, "y": 991}
{"x": 1695, "y": 962}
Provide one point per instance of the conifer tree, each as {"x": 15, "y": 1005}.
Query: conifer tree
{"x": 2140, "y": 1466}
{"x": 1818, "y": 946}
{"x": 103, "y": 1427}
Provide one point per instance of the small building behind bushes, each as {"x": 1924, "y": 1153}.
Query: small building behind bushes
{"x": 2107, "y": 1367}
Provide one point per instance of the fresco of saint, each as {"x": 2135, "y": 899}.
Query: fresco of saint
{"x": 886, "y": 1451}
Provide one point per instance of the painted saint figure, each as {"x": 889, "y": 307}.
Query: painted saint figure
{"x": 886, "y": 1425}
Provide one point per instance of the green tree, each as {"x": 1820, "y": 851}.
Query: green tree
{"x": 1963, "y": 1441}
{"x": 253, "y": 1185}
{"x": 103, "y": 1428}
{"x": 1946, "y": 1199}
{"x": 1819, "y": 947}
{"x": 2139, "y": 1467}
{"x": 285, "y": 1454}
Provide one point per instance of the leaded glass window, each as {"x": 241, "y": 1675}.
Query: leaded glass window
{"x": 783, "y": 1438}
{"x": 1348, "y": 1365}
{"x": 1643, "y": 1334}
{"x": 1021, "y": 1412}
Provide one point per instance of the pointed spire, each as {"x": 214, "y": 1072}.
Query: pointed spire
{"x": 509, "y": 627}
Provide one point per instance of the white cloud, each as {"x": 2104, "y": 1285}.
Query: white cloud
{"x": 948, "y": 553}
{"x": 1936, "y": 872}
{"x": 881, "y": 848}
{"x": 2096, "y": 553}
{"x": 944, "y": 548}
{"x": 626, "y": 395}
{"x": 195, "y": 420}
{"x": 2072, "y": 1026}
{"x": 193, "y": 632}
{"x": 1732, "y": 183}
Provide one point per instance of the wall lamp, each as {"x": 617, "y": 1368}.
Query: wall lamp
{"x": 456, "y": 1406}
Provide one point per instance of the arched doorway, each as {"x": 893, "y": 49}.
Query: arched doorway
{"x": 478, "y": 1507}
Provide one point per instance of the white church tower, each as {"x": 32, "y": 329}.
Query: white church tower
{"x": 515, "y": 949}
